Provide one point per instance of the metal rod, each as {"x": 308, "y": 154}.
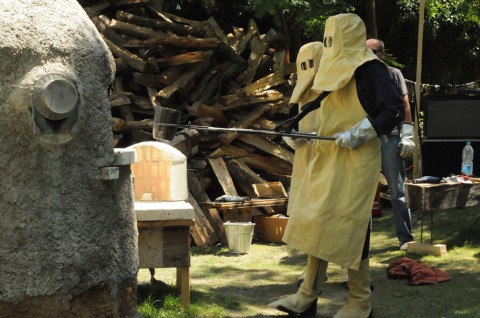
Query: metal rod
{"x": 247, "y": 131}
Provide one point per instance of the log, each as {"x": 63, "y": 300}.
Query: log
{"x": 133, "y": 30}
{"x": 131, "y": 59}
{"x": 185, "y": 58}
{"x": 202, "y": 232}
{"x": 183, "y": 80}
{"x": 145, "y": 124}
{"x": 245, "y": 122}
{"x": 201, "y": 110}
{"x": 188, "y": 42}
{"x": 268, "y": 147}
{"x": 256, "y": 161}
{"x": 149, "y": 80}
{"x": 125, "y": 110}
{"x": 198, "y": 192}
{"x": 258, "y": 48}
{"x": 179, "y": 29}
{"x": 223, "y": 176}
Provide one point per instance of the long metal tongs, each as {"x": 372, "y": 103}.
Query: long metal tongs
{"x": 247, "y": 131}
{"x": 284, "y": 129}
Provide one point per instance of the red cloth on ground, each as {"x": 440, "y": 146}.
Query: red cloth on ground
{"x": 416, "y": 272}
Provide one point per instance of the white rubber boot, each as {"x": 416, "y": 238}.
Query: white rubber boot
{"x": 359, "y": 302}
{"x": 303, "y": 303}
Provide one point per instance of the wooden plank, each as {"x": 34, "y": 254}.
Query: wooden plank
{"x": 171, "y": 74}
{"x": 156, "y": 24}
{"x": 213, "y": 82}
{"x": 202, "y": 110}
{"x": 183, "y": 282}
{"x": 423, "y": 248}
{"x": 133, "y": 30}
{"x": 131, "y": 59}
{"x": 245, "y": 122}
{"x": 244, "y": 176}
{"x": 183, "y": 80}
{"x": 148, "y": 80}
{"x": 265, "y": 83}
{"x": 221, "y": 172}
{"x": 268, "y": 147}
{"x": 258, "y": 48}
{"x": 185, "y": 58}
{"x": 117, "y": 124}
{"x": 269, "y": 164}
{"x": 102, "y": 23}
{"x": 246, "y": 204}
{"x": 118, "y": 100}
{"x": 144, "y": 124}
{"x": 242, "y": 43}
{"x": 203, "y": 233}
{"x": 198, "y": 192}
{"x": 242, "y": 99}
{"x": 188, "y": 42}
{"x": 125, "y": 110}
{"x": 212, "y": 23}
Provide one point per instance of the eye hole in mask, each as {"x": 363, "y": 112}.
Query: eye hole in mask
{"x": 305, "y": 66}
{"x": 327, "y": 41}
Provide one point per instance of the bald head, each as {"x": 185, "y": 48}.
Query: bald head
{"x": 377, "y": 47}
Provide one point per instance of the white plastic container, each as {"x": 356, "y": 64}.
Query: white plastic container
{"x": 239, "y": 236}
{"x": 160, "y": 173}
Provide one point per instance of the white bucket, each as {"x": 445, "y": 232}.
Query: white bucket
{"x": 239, "y": 236}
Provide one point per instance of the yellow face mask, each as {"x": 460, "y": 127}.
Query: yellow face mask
{"x": 308, "y": 59}
{"x": 344, "y": 51}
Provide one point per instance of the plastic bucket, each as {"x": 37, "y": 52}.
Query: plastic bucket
{"x": 165, "y": 115}
{"x": 239, "y": 236}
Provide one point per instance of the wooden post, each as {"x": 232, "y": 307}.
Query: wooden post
{"x": 417, "y": 155}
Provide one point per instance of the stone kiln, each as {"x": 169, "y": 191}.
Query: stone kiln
{"x": 67, "y": 224}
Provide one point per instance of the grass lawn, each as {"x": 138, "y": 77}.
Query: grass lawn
{"x": 230, "y": 285}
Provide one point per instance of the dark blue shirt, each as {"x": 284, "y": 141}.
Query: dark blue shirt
{"x": 379, "y": 97}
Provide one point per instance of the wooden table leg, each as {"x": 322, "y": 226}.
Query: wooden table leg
{"x": 183, "y": 282}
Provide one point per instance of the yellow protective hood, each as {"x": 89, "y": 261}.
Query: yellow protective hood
{"x": 308, "y": 59}
{"x": 344, "y": 50}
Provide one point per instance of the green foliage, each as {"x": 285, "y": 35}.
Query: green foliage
{"x": 309, "y": 15}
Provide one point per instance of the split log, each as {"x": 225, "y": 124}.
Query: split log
{"x": 198, "y": 192}
{"x": 131, "y": 59}
{"x": 202, "y": 232}
{"x": 189, "y": 42}
{"x": 221, "y": 171}
{"x": 245, "y": 122}
{"x": 183, "y": 80}
{"x": 258, "y": 48}
{"x": 133, "y": 30}
{"x": 268, "y": 147}
{"x": 179, "y": 29}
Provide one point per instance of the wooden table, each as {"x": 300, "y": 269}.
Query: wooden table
{"x": 164, "y": 239}
{"x": 426, "y": 197}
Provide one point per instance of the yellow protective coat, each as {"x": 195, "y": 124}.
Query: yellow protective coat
{"x": 332, "y": 202}
{"x": 302, "y": 94}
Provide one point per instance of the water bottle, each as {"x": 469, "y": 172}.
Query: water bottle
{"x": 467, "y": 159}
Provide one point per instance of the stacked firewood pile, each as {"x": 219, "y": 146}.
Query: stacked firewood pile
{"x": 238, "y": 78}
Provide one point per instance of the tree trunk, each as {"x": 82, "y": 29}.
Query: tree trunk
{"x": 371, "y": 24}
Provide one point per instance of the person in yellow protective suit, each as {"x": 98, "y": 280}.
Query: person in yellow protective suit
{"x": 308, "y": 60}
{"x": 330, "y": 211}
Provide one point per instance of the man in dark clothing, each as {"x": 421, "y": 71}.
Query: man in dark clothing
{"x": 394, "y": 150}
